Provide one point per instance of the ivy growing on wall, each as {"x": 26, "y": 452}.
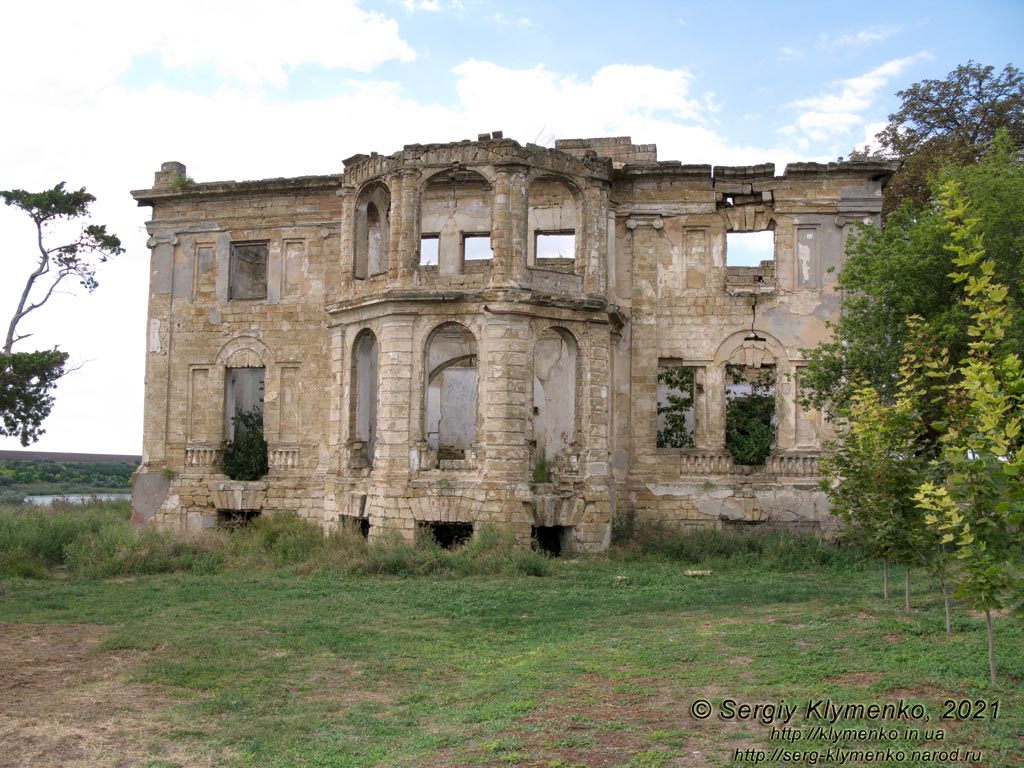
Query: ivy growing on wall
{"x": 246, "y": 457}
{"x": 750, "y": 414}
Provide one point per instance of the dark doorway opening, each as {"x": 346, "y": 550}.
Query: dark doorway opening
{"x": 551, "y": 539}
{"x": 360, "y": 524}
{"x": 450, "y": 535}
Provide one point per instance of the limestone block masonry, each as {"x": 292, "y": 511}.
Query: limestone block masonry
{"x": 478, "y": 332}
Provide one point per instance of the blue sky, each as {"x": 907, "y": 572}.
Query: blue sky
{"x": 98, "y": 94}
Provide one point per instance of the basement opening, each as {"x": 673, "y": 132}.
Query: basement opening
{"x": 449, "y": 535}
{"x": 233, "y": 519}
{"x": 349, "y": 523}
{"x": 551, "y": 539}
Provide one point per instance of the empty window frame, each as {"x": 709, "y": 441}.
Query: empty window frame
{"x": 749, "y": 249}
{"x": 247, "y": 272}
{"x": 430, "y": 249}
{"x": 476, "y": 246}
{"x": 555, "y": 245}
{"x": 750, "y": 417}
{"x": 677, "y": 393}
{"x": 243, "y": 395}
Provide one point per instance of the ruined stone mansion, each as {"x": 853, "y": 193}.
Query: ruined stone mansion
{"x": 455, "y": 334}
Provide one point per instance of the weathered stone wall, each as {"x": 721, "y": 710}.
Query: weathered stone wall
{"x": 517, "y": 388}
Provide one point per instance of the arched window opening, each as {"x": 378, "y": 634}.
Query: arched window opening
{"x": 451, "y": 391}
{"x": 555, "y": 381}
{"x": 364, "y": 379}
{"x": 373, "y": 211}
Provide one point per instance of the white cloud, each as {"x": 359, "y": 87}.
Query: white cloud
{"x": 790, "y": 54}
{"x": 501, "y": 18}
{"x": 842, "y": 112}
{"x": 251, "y": 42}
{"x": 431, "y": 6}
{"x": 861, "y": 39}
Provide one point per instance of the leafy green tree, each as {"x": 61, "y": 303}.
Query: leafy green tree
{"x": 979, "y": 503}
{"x": 872, "y": 475}
{"x": 949, "y": 122}
{"x": 27, "y": 379}
{"x": 904, "y": 269}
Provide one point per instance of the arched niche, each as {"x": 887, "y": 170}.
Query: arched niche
{"x": 555, "y": 385}
{"x": 450, "y": 391}
{"x": 553, "y": 223}
{"x": 364, "y": 394}
{"x": 455, "y": 221}
{"x": 373, "y": 229}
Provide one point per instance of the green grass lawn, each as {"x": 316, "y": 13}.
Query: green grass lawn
{"x": 597, "y": 663}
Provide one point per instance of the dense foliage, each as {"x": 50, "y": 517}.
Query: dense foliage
{"x": 750, "y": 418}
{"x": 27, "y": 380}
{"x": 949, "y": 122}
{"x": 246, "y": 457}
{"x": 904, "y": 270}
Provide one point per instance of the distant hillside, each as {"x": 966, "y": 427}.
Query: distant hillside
{"x": 76, "y": 457}
{"x": 24, "y": 473}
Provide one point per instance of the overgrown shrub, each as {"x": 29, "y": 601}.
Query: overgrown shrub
{"x": 246, "y": 457}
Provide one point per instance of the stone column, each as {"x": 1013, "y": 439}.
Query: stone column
{"x": 396, "y": 219}
{"x": 346, "y": 241}
{"x": 408, "y": 239}
{"x": 509, "y": 224}
{"x": 594, "y": 237}
{"x": 712, "y": 434}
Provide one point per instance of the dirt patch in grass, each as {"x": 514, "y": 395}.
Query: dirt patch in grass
{"x": 591, "y": 725}
{"x": 65, "y": 703}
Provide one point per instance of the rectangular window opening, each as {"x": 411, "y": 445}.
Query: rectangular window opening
{"x": 430, "y": 248}
{"x": 555, "y": 245}
{"x": 477, "y": 247}
{"x": 247, "y": 273}
{"x": 749, "y": 249}
{"x": 677, "y": 392}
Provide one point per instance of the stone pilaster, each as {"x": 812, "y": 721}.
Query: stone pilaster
{"x": 394, "y": 363}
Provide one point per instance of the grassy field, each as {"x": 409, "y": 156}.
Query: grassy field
{"x": 249, "y": 659}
